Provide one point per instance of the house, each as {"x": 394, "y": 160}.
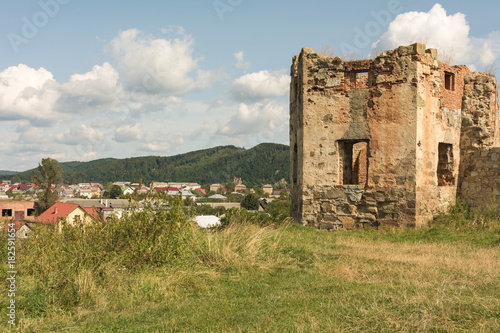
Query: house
{"x": 62, "y": 211}
{"x": 215, "y": 187}
{"x": 217, "y": 197}
{"x": 173, "y": 191}
{"x": 185, "y": 194}
{"x": 240, "y": 187}
{"x": 17, "y": 210}
{"x": 159, "y": 184}
{"x": 127, "y": 190}
{"x": 268, "y": 188}
{"x": 22, "y": 229}
{"x": 142, "y": 190}
{"x": 282, "y": 190}
{"x": 201, "y": 190}
{"x": 393, "y": 140}
{"x": 85, "y": 192}
{"x": 122, "y": 184}
{"x": 160, "y": 189}
{"x": 106, "y": 207}
{"x": 97, "y": 190}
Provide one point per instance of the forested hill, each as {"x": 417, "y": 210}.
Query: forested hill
{"x": 8, "y": 173}
{"x": 264, "y": 163}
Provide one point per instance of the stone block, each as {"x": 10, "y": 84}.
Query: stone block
{"x": 348, "y": 223}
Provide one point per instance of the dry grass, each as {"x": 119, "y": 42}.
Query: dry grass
{"x": 248, "y": 277}
{"x": 375, "y": 261}
{"x": 239, "y": 246}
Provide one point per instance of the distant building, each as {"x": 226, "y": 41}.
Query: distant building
{"x": 215, "y": 187}
{"x": 240, "y": 187}
{"x": 17, "y": 210}
{"x": 61, "y": 211}
{"x": 267, "y": 189}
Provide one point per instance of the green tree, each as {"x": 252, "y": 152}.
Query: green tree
{"x": 250, "y": 202}
{"x": 49, "y": 172}
{"x": 115, "y": 192}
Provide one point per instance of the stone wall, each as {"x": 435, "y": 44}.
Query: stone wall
{"x": 481, "y": 180}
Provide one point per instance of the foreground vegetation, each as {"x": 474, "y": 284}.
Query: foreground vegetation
{"x": 253, "y": 275}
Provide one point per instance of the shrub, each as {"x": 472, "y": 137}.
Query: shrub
{"x": 250, "y": 202}
{"x": 149, "y": 237}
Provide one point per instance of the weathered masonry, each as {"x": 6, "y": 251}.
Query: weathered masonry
{"x": 393, "y": 140}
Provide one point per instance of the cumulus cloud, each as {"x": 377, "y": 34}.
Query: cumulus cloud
{"x": 99, "y": 87}
{"x": 240, "y": 60}
{"x": 156, "y": 65}
{"x": 260, "y": 85}
{"x": 128, "y": 133}
{"x": 163, "y": 144}
{"x": 27, "y": 93}
{"x": 82, "y": 135}
{"x": 448, "y": 33}
{"x": 258, "y": 119}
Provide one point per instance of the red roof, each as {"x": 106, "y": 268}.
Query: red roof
{"x": 57, "y": 211}
{"x": 174, "y": 189}
{"x": 17, "y": 225}
{"x": 92, "y": 211}
{"x": 201, "y": 190}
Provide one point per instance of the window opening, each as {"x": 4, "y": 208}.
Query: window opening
{"x": 6, "y": 212}
{"x": 449, "y": 81}
{"x": 445, "y": 165}
{"x": 295, "y": 161}
{"x": 359, "y": 80}
{"x": 353, "y": 161}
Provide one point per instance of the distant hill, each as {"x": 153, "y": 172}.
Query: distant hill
{"x": 8, "y": 173}
{"x": 264, "y": 163}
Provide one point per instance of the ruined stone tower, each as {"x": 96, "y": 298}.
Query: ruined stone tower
{"x": 393, "y": 140}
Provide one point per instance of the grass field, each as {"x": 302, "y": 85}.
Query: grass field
{"x": 253, "y": 278}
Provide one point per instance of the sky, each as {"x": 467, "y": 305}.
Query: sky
{"x": 83, "y": 80}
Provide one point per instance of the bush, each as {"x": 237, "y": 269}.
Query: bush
{"x": 250, "y": 202}
{"x": 58, "y": 262}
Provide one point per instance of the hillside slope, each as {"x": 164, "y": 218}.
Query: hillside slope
{"x": 264, "y": 163}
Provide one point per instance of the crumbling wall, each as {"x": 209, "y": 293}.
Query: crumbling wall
{"x": 388, "y": 140}
{"x": 480, "y": 185}
{"x": 440, "y": 90}
{"x": 357, "y": 116}
{"x": 479, "y": 178}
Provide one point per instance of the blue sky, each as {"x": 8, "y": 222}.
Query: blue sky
{"x": 81, "y": 80}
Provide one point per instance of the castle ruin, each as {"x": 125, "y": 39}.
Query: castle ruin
{"x": 394, "y": 140}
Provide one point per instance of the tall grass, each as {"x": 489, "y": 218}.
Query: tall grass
{"x": 66, "y": 265}
{"x": 463, "y": 218}
{"x": 155, "y": 271}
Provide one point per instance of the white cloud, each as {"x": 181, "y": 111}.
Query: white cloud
{"x": 27, "y": 93}
{"x": 156, "y": 65}
{"x": 99, "y": 87}
{"x": 448, "y": 33}
{"x": 240, "y": 60}
{"x": 83, "y": 135}
{"x": 259, "y": 85}
{"x": 128, "y": 133}
{"x": 262, "y": 119}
